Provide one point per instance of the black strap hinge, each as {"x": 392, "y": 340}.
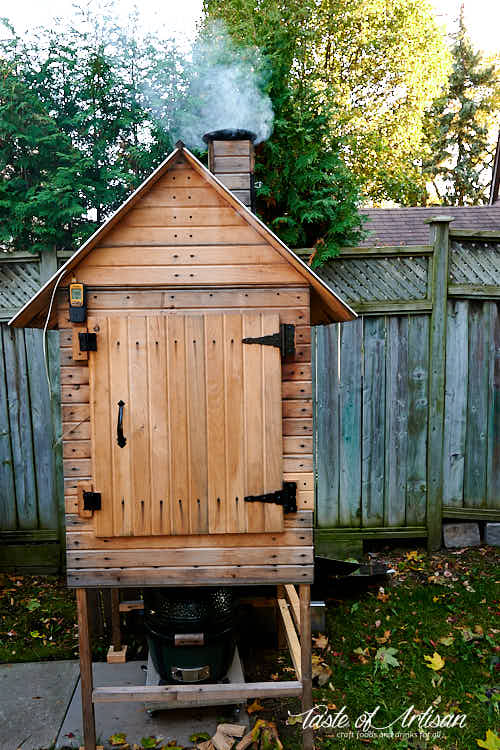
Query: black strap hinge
{"x": 284, "y": 340}
{"x": 287, "y": 497}
{"x": 91, "y": 501}
{"x": 88, "y": 342}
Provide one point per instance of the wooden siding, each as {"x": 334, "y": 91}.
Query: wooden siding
{"x": 293, "y": 544}
{"x": 183, "y": 233}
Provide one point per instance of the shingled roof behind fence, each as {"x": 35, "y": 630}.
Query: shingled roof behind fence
{"x": 405, "y": 226}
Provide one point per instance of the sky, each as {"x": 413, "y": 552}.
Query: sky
{"x": 179, "y": 17}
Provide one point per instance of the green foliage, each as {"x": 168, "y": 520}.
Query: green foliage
{"x": 458, "y": 126}
{"x": 39, "y": 167}
{"x": 305, "y": 193}
{"x": 79, "y": 127}
{"x": 351, "y": 58}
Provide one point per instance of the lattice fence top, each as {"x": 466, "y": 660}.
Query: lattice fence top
{"x": 19, "y": 281}
{"x": 377, "y": 279}
{"x": 474, "y": 262}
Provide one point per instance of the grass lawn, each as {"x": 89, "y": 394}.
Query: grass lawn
{"x": 440, "y": 612}
{"x": 428, "y": 640}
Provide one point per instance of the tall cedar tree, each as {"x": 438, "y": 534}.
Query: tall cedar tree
{"x": 79, "y": 129}
{"x": 39, "y": 169}
{"x": 459, "y": 126}
{"x": 305, "y": 193}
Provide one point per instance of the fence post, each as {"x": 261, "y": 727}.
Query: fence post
{"x": 48, "y": 267}
{"x": 440, "y": 227}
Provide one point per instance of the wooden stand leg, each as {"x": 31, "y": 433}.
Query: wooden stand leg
{"x": 282, "y": 644}
{"x": 86, "y": 682}
{"x": 116, "y": 653}
{"x": 306, "y": 659}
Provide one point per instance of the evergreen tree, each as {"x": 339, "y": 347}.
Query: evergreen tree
{"x": 305, "y": 193}
{"x": 459, "y": 126}
{"x": 39, "y": 168}
{"x": 79, "y": 127}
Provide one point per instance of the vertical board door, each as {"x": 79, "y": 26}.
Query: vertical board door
{"x": 201, "y": 420}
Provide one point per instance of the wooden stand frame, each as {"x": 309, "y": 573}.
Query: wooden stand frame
{"x": 296, "y": 616}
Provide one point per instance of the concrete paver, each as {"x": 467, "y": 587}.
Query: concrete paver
{"x": 133, "y": 718}
{"x": 34, "y": 699}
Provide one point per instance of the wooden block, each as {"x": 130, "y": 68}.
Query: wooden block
{"x": 75, "y": 343}
{"x": 130, "y": 606}
{"x": 207, "y": 745}
{"x": 232, "y": 730}
{"x": 245, "y": 742}
{"x": 116, "y": 657}
{"x": 81, "y": 488}
{"x": 221, "y": 741}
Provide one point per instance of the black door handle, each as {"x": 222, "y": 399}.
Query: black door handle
{"x": 120, "y": 437}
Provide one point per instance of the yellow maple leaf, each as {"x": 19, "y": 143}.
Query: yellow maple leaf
{"x": 492, "y": 741}
{"x": 435, "y": 662}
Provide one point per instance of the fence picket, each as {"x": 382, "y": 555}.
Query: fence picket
{"x": 351, "y": 338}
{"x": 418, "y": 383}
{"x": 396, "y": 443}
{"x": 373, "y": 435}
{"x": 8, "y": 519}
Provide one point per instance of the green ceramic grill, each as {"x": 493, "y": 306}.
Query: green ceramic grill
{"x": 190, "y": 632}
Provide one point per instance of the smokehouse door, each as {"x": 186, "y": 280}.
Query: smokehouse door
{"x": 186, "y": 423}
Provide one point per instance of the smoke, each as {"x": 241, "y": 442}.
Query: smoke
{"x": 224, "y": 88}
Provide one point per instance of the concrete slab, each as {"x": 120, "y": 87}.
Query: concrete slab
{"x": 34, "y": 698}
{"x": 461, "y": 535}
{"x": 492, "y": 534}
{"x": 132, "y": 718}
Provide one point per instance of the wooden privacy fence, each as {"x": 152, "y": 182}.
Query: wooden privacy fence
{"x": 31, "y": 491}
{"x": 407, "y": 398}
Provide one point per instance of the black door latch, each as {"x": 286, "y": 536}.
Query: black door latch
{"x": 91, "y": 501}
{"x": 88, "y": 342}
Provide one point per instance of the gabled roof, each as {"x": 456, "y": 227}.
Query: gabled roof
{"x": 327, "y": 304}
{"x": 406, "y": 226}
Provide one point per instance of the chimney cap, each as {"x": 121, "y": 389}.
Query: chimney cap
{"x": 230, "y": 134}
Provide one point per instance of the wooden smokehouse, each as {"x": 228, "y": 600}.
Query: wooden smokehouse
{"x": 185, "y": 330}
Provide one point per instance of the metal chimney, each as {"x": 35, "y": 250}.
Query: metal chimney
{"x": 231, "y": 159}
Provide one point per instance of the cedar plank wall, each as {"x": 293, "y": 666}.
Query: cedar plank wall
{"x": 167, "y": 257}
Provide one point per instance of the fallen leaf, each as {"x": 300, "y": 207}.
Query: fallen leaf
{"x": 363, "y": 654}
{"x": 491, "y": 742}
{"x": 320, "y": 670}
{"x": 382, "y": 596}
{"x": 265, "y": 735}
{"x": 384, "y": 638}
{"x": 320, "y": 642}
{"x": 446, "y": 640}
{"x": 385, "y": 658}
{"x": 435, "y": 662}
{"x": 118, "y": 740}
{"x": 199, "y": 737}
{"x": 254, "y": 707}
{"x": 149, "y": 743}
